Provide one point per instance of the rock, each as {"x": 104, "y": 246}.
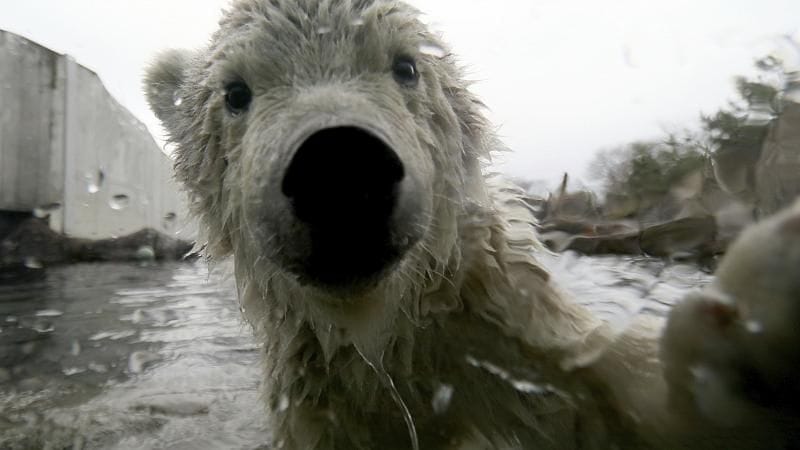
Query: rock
{"x": 616, "y": 244}
{"x": 591, "y": 238}
{"x": 694, "y": 235}
{"x": 33, "y": 241}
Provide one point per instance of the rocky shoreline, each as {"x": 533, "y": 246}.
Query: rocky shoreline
{"x": 32, "y": 245}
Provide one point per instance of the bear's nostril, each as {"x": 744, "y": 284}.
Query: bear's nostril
{"x": 343, "y": 174}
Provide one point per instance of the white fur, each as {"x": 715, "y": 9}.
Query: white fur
{"x": 467, "y": 343}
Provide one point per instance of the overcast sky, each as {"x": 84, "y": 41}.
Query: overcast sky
{"x": 561, "y": 78}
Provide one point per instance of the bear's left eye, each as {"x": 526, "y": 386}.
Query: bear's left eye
{"x": 237, "y": 97}
{"x": 405, "y": 71}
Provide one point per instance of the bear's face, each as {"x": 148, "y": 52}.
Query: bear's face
{"x": 326, "y": 141}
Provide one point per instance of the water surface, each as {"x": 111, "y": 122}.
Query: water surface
{"x": 127, "y": 357}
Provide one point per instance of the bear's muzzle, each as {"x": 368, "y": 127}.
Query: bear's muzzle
{"x": 354, "y": 209}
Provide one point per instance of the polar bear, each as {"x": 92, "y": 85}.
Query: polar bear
{"x": 334, "y": 150}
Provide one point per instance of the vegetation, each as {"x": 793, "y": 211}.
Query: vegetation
{"x": 642, "y": 173}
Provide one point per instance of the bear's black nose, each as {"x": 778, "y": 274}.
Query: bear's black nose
{"x": 344, "y": 185}
{"x": 343, "y": 174}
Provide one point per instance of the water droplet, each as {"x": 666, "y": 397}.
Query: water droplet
{"x": 145, "y": 253}
{"x": 527, "y": 387}
{"x": 43, "y": 327}
{"x": 12, "y": 319}
{"x": 75, "y": 348}
{"x": 98, "y": 368}
{"x": 357, "y": 22}
{"x": 119, "y": 202}
{"x": 69, "y": 371}
{"x": 177, "y": 100}
{"x": 49, "y": 313}
{"x": 44, "y": 211}
{"x": 432, "y": 49}
{"x": 94, "y": 181}
{"x": 283, "y": 403}
{"x": 388, "y": 382}
{"x": 170, "y": 216}
{"x": 33, "y": 263}
{"x": 441, "y": 398}
{"x": 324, "y": 30}
{"x": 754, "y": 326}
{"x": 140, "y": 359}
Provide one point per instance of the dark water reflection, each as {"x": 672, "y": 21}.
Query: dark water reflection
{"x": 125, "y": 356}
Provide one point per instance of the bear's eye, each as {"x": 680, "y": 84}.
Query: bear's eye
{"x": 237, "y": 97}
{"x": 405, "y": 71}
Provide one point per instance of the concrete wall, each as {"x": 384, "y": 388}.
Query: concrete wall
{"x": 31, "y": 124}
{"x": 70, "y": 151}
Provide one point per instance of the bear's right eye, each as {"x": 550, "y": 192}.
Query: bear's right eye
{"x": 237, "y": 97}
{"x": 405, "y": 71}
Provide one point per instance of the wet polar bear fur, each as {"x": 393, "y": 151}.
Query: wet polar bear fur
{"x": 334, "y": 150}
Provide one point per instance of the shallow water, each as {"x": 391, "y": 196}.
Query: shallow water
{"x": 125, "y": 356}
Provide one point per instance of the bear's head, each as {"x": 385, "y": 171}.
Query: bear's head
{"x": 330, "y": 143}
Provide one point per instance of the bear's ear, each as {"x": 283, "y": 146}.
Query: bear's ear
{"x": 163, "y": 82}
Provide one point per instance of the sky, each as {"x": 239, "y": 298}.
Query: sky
{"x": 562, "y": 79}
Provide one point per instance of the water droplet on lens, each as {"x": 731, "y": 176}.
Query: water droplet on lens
{"x": 119, "y": 202}
{"x": 145, "y": 253}
{"x": 283, "y": 403}
{"x": 324, "y": 30}
{"x": 69, "y": 371}
{"x": 527, "y": 387}
{"x": 754, "y": 326}
{"x": 177, "y": 100}
{"x": 94, "y": 181}
{"x": 441, "y": 398}
{"x": 43, "y": 327}
{"x": 140, "y": 359}
{"x": 33, "y": 263}
{"x": 45, "y": 210}
{"x": 98, "y": 368}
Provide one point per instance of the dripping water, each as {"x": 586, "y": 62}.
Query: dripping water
{"x": 388, "y": 382}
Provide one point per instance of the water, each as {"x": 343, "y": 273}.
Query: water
{"x": 125, "y": 356}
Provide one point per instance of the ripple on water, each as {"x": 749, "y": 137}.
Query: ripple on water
{"x": 157, "y": 357}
